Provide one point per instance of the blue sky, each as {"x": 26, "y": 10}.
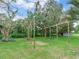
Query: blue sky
{"x": 29, "y": 5}
{"x": 65, "y": 4}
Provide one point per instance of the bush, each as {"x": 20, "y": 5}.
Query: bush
{"x": 0, "y": 36}
{"x": 18, "y": 35}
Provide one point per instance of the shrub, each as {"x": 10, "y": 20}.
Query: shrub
{"x": 19, "y": 35}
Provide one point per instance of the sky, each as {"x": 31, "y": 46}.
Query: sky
{"x": 29, "y": 5}
{"x": 65, "y": 4}
{"x": 26, "y": 5}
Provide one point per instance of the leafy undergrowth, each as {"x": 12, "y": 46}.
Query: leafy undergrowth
{"x": 46, "y": 48}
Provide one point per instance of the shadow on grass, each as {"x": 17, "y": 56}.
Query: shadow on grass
{"x": 9, "y": 40}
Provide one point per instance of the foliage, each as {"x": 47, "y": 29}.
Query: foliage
{"x": 6, "y": 18}
{"x": 47, "y": 16}
{"x": 18, "y": 35}
{"x": 75, "y": 2}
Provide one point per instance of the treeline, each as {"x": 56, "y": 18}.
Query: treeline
{"x": 46, "y": 21}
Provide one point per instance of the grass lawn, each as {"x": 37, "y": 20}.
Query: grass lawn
{"x": 45, "y": 49}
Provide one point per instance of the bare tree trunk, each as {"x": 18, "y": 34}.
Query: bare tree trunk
{"x": 5, "y": 34}
{"x": 42, "y": 33}
{"x": 45, "y": 32}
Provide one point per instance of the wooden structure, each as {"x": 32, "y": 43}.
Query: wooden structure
{"x": 56, "y": 25}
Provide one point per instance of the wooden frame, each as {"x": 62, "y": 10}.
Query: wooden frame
{"x": 56, "y": 25}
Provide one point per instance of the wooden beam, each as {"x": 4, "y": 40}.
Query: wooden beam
{"x": 58, "y": 24}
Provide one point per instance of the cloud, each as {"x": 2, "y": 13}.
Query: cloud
{"x": 18, "y": 17}
{"x": 57, "y": 0}
{"x": 24, "y": 4}
{"x": 30, "y": 4}
{"x": 37, "y": 0}
{"x": 42, "y": 2}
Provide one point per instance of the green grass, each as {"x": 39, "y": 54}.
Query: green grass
{"x": 62, "y": 48}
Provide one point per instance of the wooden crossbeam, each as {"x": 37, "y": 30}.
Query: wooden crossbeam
{"x": 58, "y": 24}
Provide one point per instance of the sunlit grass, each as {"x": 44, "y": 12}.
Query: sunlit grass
{"x": 62, "y": 48}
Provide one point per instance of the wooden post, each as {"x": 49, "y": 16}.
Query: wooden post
{"x": 28, "y": 32}
{"x": 31, "y": 29}
{"x": 50, "y": 32}
{"x": 57, "y": 31}
{"x": 68, "y": 30}
{"x": 34, "y": 34}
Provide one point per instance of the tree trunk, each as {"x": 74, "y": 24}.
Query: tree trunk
{"x": 45, "y": 34}
{"x": 5, "y": 34}
{"x": 29, "y": 30}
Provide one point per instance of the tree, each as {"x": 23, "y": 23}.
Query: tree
{"x": 75, "y": 2}
{"x": 74, "y": 11}
{"x": 9, "y": 15}
{"x": 52, "y": 14}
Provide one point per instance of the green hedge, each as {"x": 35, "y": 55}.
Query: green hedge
{"x": 0, "y": 36}
{"x": 18, "y": 35}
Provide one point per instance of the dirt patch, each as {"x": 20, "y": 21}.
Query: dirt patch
{"x": 66, "y": 58}
{"x": 77, "y": 48}
{"x": 77, "y": 57}
{"x": 39, "y": 43}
